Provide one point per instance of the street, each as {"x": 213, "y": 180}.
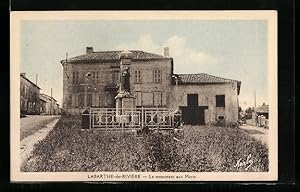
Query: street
{"x": 259, "y": 133}
{"x": 32, "y": 123}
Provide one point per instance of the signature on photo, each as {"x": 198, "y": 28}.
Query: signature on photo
{"x": 247, "y": 163}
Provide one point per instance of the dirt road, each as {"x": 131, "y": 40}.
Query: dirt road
{"x": 33, "y": 123}
{"x": 258, "y": 133}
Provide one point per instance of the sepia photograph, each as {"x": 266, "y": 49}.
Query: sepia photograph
{"x": 144, "y": 96}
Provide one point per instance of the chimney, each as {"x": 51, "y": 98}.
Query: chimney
{"x": 166, "y": 52}
{"x": 23, "y": 74}
{"x": 89, "y": 50}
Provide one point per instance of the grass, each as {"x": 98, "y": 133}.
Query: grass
{"x": 201, "y": 149}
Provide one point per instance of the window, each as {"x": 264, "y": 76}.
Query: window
{"x": 115, "y": 77}
{"x": 75, "y": 77}
{"x": 157, "y": 98}
{"x": 157, "y": 76}
{"x": 89, "y": 100}
{"x": 73, "y": 100}
{"x": 95, "y": 98}
{"x": 220, "y": 100}
{"x": 95, "y": 77}
{"x": 138, "y": 98}
{"x": 137, "y": 76}
{"x": 164, "y": 98}
{"x": 76, "y": 101}
{"x": 81, "y": 100}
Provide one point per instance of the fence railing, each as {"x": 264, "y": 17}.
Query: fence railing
{"x": 133, "y": 118}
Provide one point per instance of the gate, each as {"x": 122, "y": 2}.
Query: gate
{"x": 132, "y": 118}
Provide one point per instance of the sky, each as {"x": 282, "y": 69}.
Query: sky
{"x": 227, "y": 48}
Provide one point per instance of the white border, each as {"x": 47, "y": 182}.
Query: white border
{"x": 17, "y": 17}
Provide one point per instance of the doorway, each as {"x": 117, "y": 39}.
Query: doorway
{"x": 193, "y": 114}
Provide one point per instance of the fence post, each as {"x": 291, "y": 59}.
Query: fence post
{"x": 142, "y": 114}
{"x": 85, "y": 119}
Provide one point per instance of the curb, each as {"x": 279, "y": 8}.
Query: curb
{"x": 27, "y": 144}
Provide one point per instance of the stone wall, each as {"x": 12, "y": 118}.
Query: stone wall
{"x": 150, "y": 93}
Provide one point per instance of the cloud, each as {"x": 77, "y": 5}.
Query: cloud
{"x": 144, "y": 43}
{"x": 186, "y": 59}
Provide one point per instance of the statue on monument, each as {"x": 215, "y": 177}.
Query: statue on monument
{"x": 126, "y": 80}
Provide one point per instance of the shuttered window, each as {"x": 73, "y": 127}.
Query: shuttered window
{"x": 75, "y": 77}
{"x": 157, "y": 98}
{"x": 220, "y": 100}
{"x": 138, "y": 98}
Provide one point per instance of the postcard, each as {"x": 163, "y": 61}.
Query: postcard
{"x": 144, "y": 96}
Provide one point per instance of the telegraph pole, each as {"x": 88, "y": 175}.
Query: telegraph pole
{"x": 254, "y": 99}
{"x": 36, "y": 106}
{"x": 36, "y": 79}
{"x": 87, "y": 75}
{"x": 51, "y": 103}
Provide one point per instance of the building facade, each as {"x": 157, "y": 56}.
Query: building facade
{"x": 48, "y": 105}
{"x": 93, "y": 79}
{"x": 29, "y": 96}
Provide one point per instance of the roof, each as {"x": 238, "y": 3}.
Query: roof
{"x": 262, "y": 109}
{"x": 24, "y": 77}
{"x": 43, "y": 99}
{"x": 47, "y": 96}
{"x": 113, "y": 55}
{"x": 203, "y": 78}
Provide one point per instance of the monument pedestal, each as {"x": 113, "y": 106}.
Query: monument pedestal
{"x": 124, "y": 100}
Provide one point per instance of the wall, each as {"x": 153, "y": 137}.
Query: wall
{"x": 74, "y": 93}
{"x": 152, "y": 94}
{"x": 207, "y": 97}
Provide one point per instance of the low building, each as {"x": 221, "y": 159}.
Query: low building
{"x": 29, "y": 96}
{"x": 49, "y": 105}
{"x": 206, "y": 99}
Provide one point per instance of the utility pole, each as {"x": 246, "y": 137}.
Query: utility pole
{"x": 254, "y": 99}
{"x": 36, "y": 95}
{"x": 51, "y": 103}
{"x": 87, "y": 75}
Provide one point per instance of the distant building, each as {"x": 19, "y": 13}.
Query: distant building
{"x": 29, "y": 96}
{"x": 93, "y": 80}
{"x": 260, "y": 116}
{"x": 49, "y": 105}
{"x": 262, "y": 110}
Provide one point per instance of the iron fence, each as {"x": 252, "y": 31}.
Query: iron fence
{"x": 132, "y": 118}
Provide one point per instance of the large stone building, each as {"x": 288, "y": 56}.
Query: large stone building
{"x": 93, "y": 80}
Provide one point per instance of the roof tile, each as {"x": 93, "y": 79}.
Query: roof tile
{"x": 203, "y": 78}
{"x": 113, "y": 55}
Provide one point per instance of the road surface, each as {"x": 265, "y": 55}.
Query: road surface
{"x": 259, "y": 133}
{"x": 32, "y": 123}
{"x": 27, "y": 144}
